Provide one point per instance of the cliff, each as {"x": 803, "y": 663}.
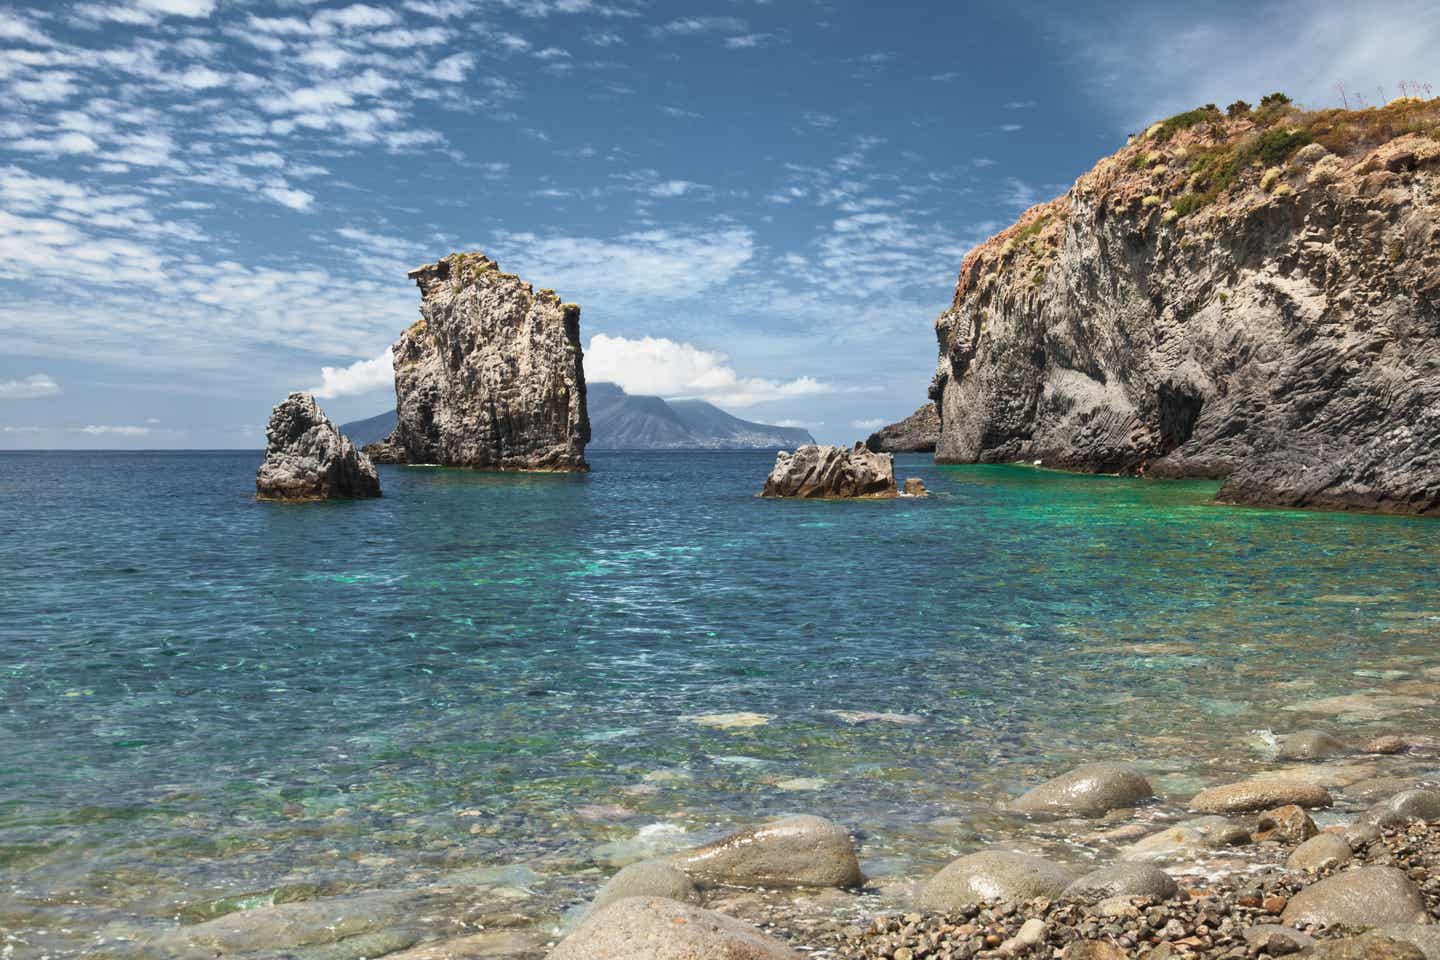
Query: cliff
{"x": 1253, "y": 296}
{"x": 917, "y": 433}
{"x": 491, "y": 375}
{"x": 306, "y": 458}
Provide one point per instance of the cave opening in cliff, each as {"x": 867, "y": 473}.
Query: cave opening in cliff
{"x": 1179, "y": 409}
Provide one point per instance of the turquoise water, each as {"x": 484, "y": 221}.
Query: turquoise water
{"x": 201, "y": 694}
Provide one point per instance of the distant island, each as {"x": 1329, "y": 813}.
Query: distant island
{"x": 623, "y": 421}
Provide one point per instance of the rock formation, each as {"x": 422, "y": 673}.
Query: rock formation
{"x": 815, "y": 472}
{"x": 306, "y": 458}
{"x": 490, "y": 376}
{"x": 1253, "y": 296}
{"x": 917, "y": 433}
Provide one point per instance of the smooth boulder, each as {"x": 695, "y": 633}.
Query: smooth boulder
{"x": 1091, "y": 790}
{"x": 1367, "y": 947}
{"x": 1426, "y": 936}
{"x": 1260, "y": 794}
{"x": 653, "y": 928}
{"x": 816, "y": 472}
{"x": 1123, "y": 880}
{"x": 1420, "y": 804}
{"x": 648, "y": 878}
{"x": 798, "y": 851}
{"x": 1319, "y": 851}
{"x": 1367, "y": 897}
{"x": 993, "y": 875}
{"x": 308, "y": 458}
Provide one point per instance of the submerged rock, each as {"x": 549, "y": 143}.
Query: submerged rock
{"x": 1091, "y": 790}
{"x": 814, "y": 472}
{"x": 1160, "y": 320}
{"x": 914, "y": 487}
{"x": 917, "y": 433}
{"x": 652, "y": 928}
{"x": 1367, "y": 897}
{"x": 491, "y": 376}
{"x": 1309, "y": 745}
{"x": 993, "y": 875}
{"x": 1188, "y": 839}
{"x": 307, "y": 458}
{"x": 798, "y": 851}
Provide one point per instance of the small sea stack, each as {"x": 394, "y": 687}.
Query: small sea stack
{"x": 308, "y": 458}
{"x": 814, "y": 472}
{"x": 490, "y": 377}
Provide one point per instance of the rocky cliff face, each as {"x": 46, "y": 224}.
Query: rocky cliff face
{"x": 306, "y": 458}
{"x": 1255, "y": 297}
{"x": 917, "y": 433}
{"x": 490, "y": 377}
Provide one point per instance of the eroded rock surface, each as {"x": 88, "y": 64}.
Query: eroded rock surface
{"x": 816, "y": 472}
{"x": 917, "y": 433}
{"x": 1224, "y": 297}
{"x": 490, "y": 377}
{"x": 308, "y": 458}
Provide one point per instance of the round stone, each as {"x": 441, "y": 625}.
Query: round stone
{"x": 992, "y": 875}
{"x": 1088, "y": 791}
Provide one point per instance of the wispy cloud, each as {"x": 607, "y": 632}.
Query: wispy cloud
{"x": 29, "y": 388}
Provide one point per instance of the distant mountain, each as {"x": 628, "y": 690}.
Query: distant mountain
{"x": 620, "y": 421}
{"x": 371, "y": 430}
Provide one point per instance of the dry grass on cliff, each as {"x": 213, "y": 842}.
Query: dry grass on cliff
{"x": 1202, "y": 160}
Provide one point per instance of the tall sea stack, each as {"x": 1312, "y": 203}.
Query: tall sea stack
{"x": 491, "y": 375}
{"x": 1253, "y": 295}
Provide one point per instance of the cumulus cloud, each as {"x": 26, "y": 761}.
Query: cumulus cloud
{"x": 362, "y": 376}
{"x": 29, "y": 388}
{"x": 662, "y": 367}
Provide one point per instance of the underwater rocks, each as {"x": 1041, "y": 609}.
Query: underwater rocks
{"x": 797, "y": 851}
{"x": 917, "y": 433}
{"x": 1088, "y": 791}
{"x": 815, "y": 472}
{"x": 490, "y": 377}
{"x": 653, "y": 928}
{"x": 1273, "y": 325}
{"x": 307, "y": 458}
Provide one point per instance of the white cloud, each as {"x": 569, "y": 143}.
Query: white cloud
{"x": 362, "y": 376}
{"x": 689, "y": 26}
{"x": 453, "y": 69}
{"x": 874, "y": 423}
{"x": 662, "y": 367}
{"x": 179, "y": 8}
{"x": 661, "y": 264}
{"x": 13, "y": 28}
{"x": 119, "y": 431}
{"x": 672, "y": 188}
{"x": 290, "y": 197}
{"x": 29, "y": 388}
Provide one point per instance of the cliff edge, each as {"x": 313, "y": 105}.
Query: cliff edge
{"x": 490, "y": 377}
{"x": 1251, "y": 294}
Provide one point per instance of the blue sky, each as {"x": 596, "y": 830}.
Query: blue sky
{"x": 205, "y": 204}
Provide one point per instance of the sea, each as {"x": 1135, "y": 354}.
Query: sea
{"x": 523, "y": 681}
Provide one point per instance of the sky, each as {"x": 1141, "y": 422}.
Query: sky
{"x": 206, "y": 204}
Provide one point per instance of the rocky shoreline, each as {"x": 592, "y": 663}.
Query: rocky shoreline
{"x": 1323, "y": 852}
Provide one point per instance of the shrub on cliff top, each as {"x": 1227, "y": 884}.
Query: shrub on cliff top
{"x": 1184, "y": 121}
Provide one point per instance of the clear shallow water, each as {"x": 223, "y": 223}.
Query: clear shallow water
{"x": 201, "y": 694}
